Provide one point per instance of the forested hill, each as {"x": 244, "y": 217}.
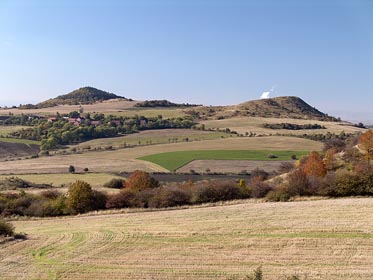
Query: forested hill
{"x": 85, "y": 95}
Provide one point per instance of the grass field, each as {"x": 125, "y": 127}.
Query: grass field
{"x": 326, "y": 239}
{"x": 255, "y": 125}
{"x": 125, "y": 159}
{"x": 174, "y": 160}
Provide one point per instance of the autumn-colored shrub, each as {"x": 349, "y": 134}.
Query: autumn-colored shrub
{"x": 141, "y": 180}
{"x": 170, "y": 197}
{"x": 258, "y": 188}
{"x": 366, "y": 143}
{"x": 314, "y": 165}
{"x": 120, "y": 200}
{"x": 215, "y": 191}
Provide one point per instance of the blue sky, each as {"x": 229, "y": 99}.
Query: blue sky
{"x": 207, "y": 51}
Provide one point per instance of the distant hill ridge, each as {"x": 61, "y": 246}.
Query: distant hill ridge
{"x": 284, "y": 106}
{"x": 84, "y": 95}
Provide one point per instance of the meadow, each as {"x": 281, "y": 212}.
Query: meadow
{"x": 174, "y": 160}
{"x": 323, "y": 239}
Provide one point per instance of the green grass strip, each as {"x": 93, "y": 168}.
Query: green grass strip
{"x": 174, "y": 160}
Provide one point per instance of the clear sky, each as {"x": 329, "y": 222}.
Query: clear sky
{"x": 198, "y": 51}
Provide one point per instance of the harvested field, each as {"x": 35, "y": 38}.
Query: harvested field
{"x": 175, "y": 160}
{"x": 326, "y": 239}
{"x": 255, "y": 125}
{"x": 158, "y": 136}
{"x": 101, "y": 107}
{"x": 230, "y": 166}
{"x": 125, "y": 159}
{"x": 113, "y": 107}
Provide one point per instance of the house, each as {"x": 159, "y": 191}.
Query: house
{"x": 52, "y": 119}
{"x": 95, "y": 123}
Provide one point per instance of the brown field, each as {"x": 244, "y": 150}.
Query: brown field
{"x": 114, "y": 107}
{"x": 125, "y": 159}
{"x": 325, "y": 239}
{"x": 231, "y": 166}
{"x": 255, "y": 125}
{"x": 157, "y": 136}
{"x": 102, "y": 107}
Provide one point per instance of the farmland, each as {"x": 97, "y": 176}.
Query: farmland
{"x": 255, "y": 125}
{"x": 152, "y": 137}
{"x": 328, "y": 239}
{"x": 126, "y": 159}
{"x": 175, "y": 160}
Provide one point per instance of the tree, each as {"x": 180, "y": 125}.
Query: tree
{"x": 314, "y": 165}
{"x": 141, "y": 180}
{"x": 80, "y": 197}
{"x": 366, "y": 143}
{"x": 6, "y": 229}
{"x": 71, "y": 169}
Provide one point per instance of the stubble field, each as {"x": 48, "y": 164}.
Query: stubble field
{"x": 325, "y": 239}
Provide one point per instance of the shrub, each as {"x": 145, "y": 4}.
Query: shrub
{"x": 114, "y": 184}
{"x": 281, "y": 193}
{"x": 79, "y": 198}
{"x": 71, "y": 169}
{"x": 298, "y": 183}
{"x": 122, "y": 199}
{"x": 257, "y": 172}
{"x": 6, "y": 229}
{"x": 286, "y": 167}
{"x": 258, "y": 188}
{"x": 314, "y": 165}
{"x": 216, "y": 191}
{"x": 141, "y": 180}
{"x": 272, "y": 156}
{"x": 170, "y": 197}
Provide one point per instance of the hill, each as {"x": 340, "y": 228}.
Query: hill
{"x": 85, "y": 95}
{"x": 279, "y": 107}
{"x": 284, "y": 106}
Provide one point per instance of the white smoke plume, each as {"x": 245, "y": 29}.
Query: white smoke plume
{"x": 266, "y": 94}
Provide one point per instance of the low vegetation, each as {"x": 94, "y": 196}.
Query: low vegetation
{"x": 162, "y": 103}
{"x": 6, "y": 228}
{"x": 292, "y": 126}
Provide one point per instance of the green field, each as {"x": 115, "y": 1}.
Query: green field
{"x": 175, "y": 160}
